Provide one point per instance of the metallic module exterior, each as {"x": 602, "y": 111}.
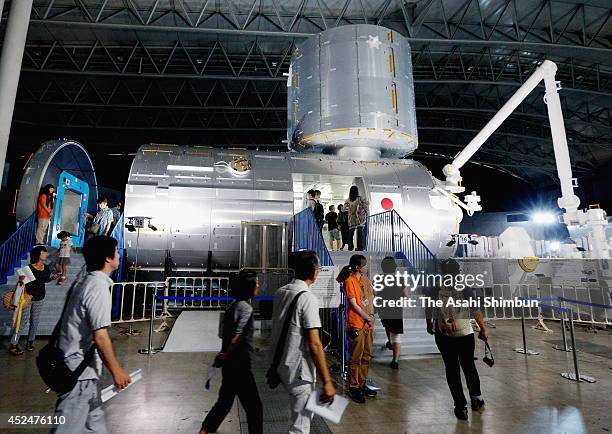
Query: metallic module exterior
{"x": 197, "y": 203}
{"x": 352, "y": 87}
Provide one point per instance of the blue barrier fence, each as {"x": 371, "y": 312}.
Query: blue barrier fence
{"x": 307, "y": 236}
{"x": 16, "y": 247}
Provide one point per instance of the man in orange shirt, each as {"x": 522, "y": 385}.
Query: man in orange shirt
{"x": 360, "y": 327}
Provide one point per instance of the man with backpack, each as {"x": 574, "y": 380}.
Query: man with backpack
{"x": 319, "y": 211}
{"x": 297, "y": 350}
{"x": 83, "y": 339}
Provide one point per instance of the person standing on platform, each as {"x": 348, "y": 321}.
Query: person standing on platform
{"x": 358, "y": 210}
{"x": 302, "y": 355}
{"x": 343, "y": 225}
{"x": 36, "y": 288}
{"x": 455, "y": 339}
{"x": 332, "y": 227}
{"x": 359, "y": 326}
{"x": 319, "y": 211}
{"x": 44, "y": 209}
{"x": 103, "y": 219}
{"x": 83, "y": 329}
{"x": 235, "y": 358}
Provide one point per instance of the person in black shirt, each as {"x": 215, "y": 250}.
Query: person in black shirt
{"x": 36, "y": 288}
{"x": 332, "y": 226}
{"x": 343, "y": 225}
{"x": 235, "y": 359}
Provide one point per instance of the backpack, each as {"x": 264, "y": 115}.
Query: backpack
{"x": 319, "y": 212}
{"x": 362, "y": 212}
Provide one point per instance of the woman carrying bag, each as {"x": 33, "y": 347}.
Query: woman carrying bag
{"x": 455, "y": 340}
{"x": 31, "y": 312}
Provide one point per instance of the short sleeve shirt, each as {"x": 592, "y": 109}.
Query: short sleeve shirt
{"x": 42, "y": 213}
{"x": 65, "y": 247}
{"x": 239, "y": 319}
{"x": 103, "y": 218}
{"x": 88, "y": 310}
{"x": 296, "y": 363}
{"x": 352, "y": 287}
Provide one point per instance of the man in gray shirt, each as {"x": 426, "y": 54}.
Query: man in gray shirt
{"x": 85, "y": 323}
{"x": 303, "y": 354}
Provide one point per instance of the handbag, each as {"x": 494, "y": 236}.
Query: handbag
{"x": 7, "y": 300}
{"x": 272, "y": 377}
{"x": 50, "y": 360}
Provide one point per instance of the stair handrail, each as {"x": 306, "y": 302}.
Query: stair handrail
{"x": 16, "y": 247}
{"x": 308, "y": 236}
{"x": 388, "y": 232}
{"x": 117, "y": 233}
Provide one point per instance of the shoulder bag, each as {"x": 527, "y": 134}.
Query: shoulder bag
{"x": 50, "y": 360}
{"x": 272, "y": 377}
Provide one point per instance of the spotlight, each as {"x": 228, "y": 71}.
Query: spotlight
{"x": 473, "y": 242}
{"x": 153, "y": 228}
{"x": 580, "y": 249}
{"x": 543, "y": 218}
{"x": 451, "y": 243}
{"x": 130, "y": 227}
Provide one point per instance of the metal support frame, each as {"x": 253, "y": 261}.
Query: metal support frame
{"x": 10, "y": 68}
{"x": 575, "y": 376}
{"x": 524, "y": 350}
{"x": 150, "y": 349}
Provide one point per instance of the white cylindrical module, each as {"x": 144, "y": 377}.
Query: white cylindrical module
{"x": 351, "y": 92}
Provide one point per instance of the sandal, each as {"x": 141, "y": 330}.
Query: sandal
{"x": 15, "y": 350}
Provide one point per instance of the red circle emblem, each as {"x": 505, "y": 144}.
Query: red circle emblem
{"x": 387, "y": 204}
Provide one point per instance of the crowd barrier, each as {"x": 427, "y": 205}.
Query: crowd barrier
{"x": 590, "y": 302}
{"x": 565, "y": 314}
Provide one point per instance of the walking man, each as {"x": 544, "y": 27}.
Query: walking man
{"x": 302, "y": 355}
{"x": 85, "y": 324}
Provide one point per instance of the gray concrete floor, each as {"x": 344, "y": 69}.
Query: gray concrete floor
{"x": 522, "y": 394}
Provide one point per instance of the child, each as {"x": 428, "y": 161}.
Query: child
{"x": 332, "y": 226}
{"x": 64, "y": 255}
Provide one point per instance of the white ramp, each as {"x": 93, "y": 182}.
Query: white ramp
{"x": 194, "y": 332}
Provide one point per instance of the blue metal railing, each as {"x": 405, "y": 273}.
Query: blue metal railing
{"x": 308, "y": 236}
{"x": 388, "y": 232}
{"x": 117, "y": 233}
{"x": 16, "y": 247}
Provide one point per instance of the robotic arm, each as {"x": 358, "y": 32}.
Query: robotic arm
{"x": 546, "y": 71}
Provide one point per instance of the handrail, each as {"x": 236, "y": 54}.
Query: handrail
{"x": 308, "y": 236}
{"x": 388, "y": 232}
{"x": 117, "y": 233}
{"x": 16, "y": 246}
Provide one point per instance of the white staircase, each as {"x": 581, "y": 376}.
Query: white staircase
{"x": 415, "y": 340}
{"x": 54, "y": 299}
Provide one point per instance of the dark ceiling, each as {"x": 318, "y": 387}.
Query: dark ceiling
{"x": 115, "y": 74}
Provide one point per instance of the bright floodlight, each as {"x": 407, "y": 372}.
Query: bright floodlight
{"x": 543, "y": 218}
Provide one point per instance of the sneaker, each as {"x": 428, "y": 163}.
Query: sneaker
{"x": 356, "y": 395}
{"x": 461, "y": 413}
{"x": 477, "y": 404}
{"x": 389, "y": 346}
{"x": 368, "y": 392}
{"x": 371, "y": 384}
{"x": 15, "y": 350}
{"x": 394, "y": 364}
{"x": 29, "y": 346}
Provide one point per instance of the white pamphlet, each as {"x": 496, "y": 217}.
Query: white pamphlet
{"x": 209, "y": 375}
{"x": 112, "y": 391}
{"x": 25, "y": 271}
{"x": 332, "y": 412}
